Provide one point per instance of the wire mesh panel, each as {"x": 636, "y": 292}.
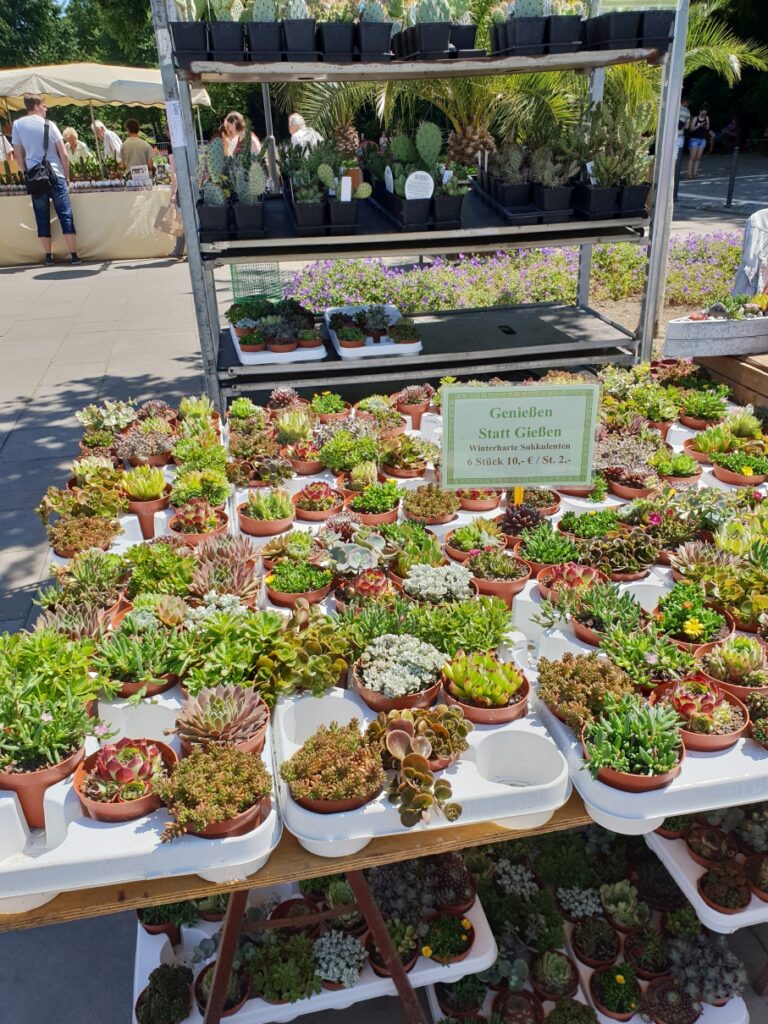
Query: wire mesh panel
{"x": 251, "y": 280}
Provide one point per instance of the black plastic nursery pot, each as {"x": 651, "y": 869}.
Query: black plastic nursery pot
{"x": 227, "y": 40}
{"x": 563, "y": 33}
{"x": 309, "y": 215}
{"x": 409, "y": 211}
{"x": 397, "y": 43}
{"x": 595, "y": 202}
{"x": 498, "y": 38}
{"x": 633, "y": 200}
{"x": 190, "y": 41}
{"x": 299, "y": 37}
{"x": 656, "y": 32}
{"x": 446, "y": 209}
{"x": 432, "y": 37}
{"x": 512, "y": 195}
{"x": 337, "y": 40}
{"x": 526, "y": 37}
{"x": 342, "y": 214}
{"x": 265, "y": 42}
{"x": 249, "y": 219}
{"x": 463, "y": 36}
{"x": 619, "y": 30}
{"x": 373, "y": 40}
{"x": 552, "y": 200}
{"x": 590, "y": 34}
{"x": 214, "y": 222}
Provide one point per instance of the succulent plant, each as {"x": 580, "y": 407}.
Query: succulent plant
{"x": 703, "y": 706}
{"x": 624, "y": 551}
{"x": 479, "y": 533}
{"x": 335, "y": 763}
{"x": 620, "y": 900}
{"x": 400, "y": 665}
{"x": 317, "y": 497}
{"x": 481, "y": 680}
{"x": 124, "y": 771}
{"x": 144, "y": 483}
{"x": 436, "y": 584}
{"x": 196, "y": 517}
{"x": 520, "y": 517}
{"x": 707, "y": 968}
{"x": 221, "y": 716}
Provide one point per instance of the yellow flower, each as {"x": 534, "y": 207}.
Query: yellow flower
{"x": 426, "y": 951}
{"x": 619, "y": 979}
{"x": 747, "y": 471}
{"x": 693, "y": 627}
{"x": 466, "y": 923}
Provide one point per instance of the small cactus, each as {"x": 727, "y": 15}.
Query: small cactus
{"x": 297, "y": 10}
{"x": 429, "y": 142}
{"x": 325, "y": 175}
{"x": 263, "y": 10}
{"x": 214, "y": 158}
{"x": 432, "y": 10}
{"x": 529, "y": 8}
{"x": 213, "y": 194}
{"x": 251, "y": 183}
{"x": 403, "y": 149}
{"x": 363, "y": 191}
{"x": 373, "y": 12}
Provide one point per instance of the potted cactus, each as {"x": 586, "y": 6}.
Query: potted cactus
{"x": 426, "y": 147}
{"x": 552, "y": 169}
{"x": 226, "y": 31}
{"x": 190, "y": 36}
{"x": 336, "y": 33}
{"x": 248, "y": 211}
{"x": 263, "y": 32}
{"x": 374, "y": 34}
{"x": 526, "y": 29}
{"x": 299, "y": 32}
{"x": 343, "y": 213}
{"x": 213, "y": 211}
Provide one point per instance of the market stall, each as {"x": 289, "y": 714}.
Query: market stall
{"x": 112, "y": 222}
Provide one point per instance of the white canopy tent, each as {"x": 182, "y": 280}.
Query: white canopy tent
{"x": 88, "y": 85}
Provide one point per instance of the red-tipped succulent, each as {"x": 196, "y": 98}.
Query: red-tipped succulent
{"x": 124, "y": 771}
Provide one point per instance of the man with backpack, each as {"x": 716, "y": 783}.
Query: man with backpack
{"x": 40, "y": 152}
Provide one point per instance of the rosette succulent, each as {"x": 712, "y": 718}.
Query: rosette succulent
{"x": 124, "y": 771}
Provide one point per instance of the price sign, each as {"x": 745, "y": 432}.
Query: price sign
{"x": 419, "y": 185}
{"x": 539, "y": 435}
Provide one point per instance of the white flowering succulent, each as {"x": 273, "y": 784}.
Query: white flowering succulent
{"x": 339, "y": 958}
{"x": 399, "y": 665}
{"x": 213, "y": 604}
{"x": 578, "y": 902}
{"x": 516, "y": 879}
{"x": 438, "y": 583}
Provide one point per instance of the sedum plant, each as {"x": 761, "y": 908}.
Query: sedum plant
{"x": 377, "y": 498}
{"x": 339, "y": 958}
{"x": 429, "y": 501}
{"x": 579, "y": 903}
{"x": 707, "y": 968}
{"x": 437, "y": 584}
{"x": 633, "y": 737}
{"x": 167, "y": 997}
{"x": 492, "y": 564}
{"x": 335, "y": 763}
{"x": 479, "y": 533}
{"x": 210, "y": 485}
{"x": 547, "y": 546}
{"x": 578, "y": 685}
{"x": 282, "y": 967}
{"x": 290, "y": 577}
{"x": 483, "y": 681}
{"x": 399, "y": 665}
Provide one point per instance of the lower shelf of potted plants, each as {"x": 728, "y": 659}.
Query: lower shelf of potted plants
{"x": 705, "y": 780}
{"x": 511, "y": 774}
{"x": 686, "y": 872}
{"x": 76, "y": 852}
{"x": 299, "y": 355}
{"x": 154, "y": 949}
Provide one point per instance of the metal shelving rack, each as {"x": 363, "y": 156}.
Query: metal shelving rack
{"x": 559, "y": 335}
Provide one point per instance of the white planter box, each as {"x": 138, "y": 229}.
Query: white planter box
{"x": 371, "y": 349}
{"x": 686, "y": 338}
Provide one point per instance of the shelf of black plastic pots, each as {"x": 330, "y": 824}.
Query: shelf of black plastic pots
{"x": 456, "y": 67}
{"x": 455, "y": 342}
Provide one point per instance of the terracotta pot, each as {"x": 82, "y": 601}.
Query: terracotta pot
{"x": 753, "y": 861}
{"x": 377, "y": 964}
{"x": 315, "y": 342}
{"x": 641, "y": 972}
{"x": 692, "y": 648}
{"x": 389, "y": 432}
{"x": 708, "y": 742}
{"x": 727, "y": 476}
{"x": 459, "y": 956}
{"x": 504, "y": 589}
{"x": 336, "y": 806}
{"x": 599, "y": 1005}
{"x": 374, "y": 518}
{"x": 629, "y": 493}
{"x": 629, "y": 577}
{"x": 682, "y": 481}
{"x": 70, "y": 553}
{"x": 544, "y": 577}
{"x": 404, "y": 474}
{"x": 546, "y": 996}
{"x": 576, "y": 492}
{"x": 585, "y": 634}
{"x": 455, "y": 553}
{"x": 480, "y": 504}
{"x": 590, "y": 961}
{"x": 333, "y": 417}
{"x": 667, "y": 833}
{"x": 492, "y": 716}
{"x": 152, "y": 460}
{"x": 698, "y": 858}
{"x": 283, "y": 909}
{"x": 649, "y": 997}
{"x": 253, "y": 745}
{"x": 309, "y": 516}
{"x": 459, "y": 909}
{"x": 171, "y": 930}
{"x": 282, "y": 347}
{"x": 348, "y": 343}
{"x": 449, "y": 517}
{"x": 128, "y": 689}
{"x": 414, "y": 411}
{"x": 500, "y": 1001}
{"x": 193, "y": 539}
{"x": 716, "y": 906}
{"x": 121, "y": 810}
{"x": 443, "y": 1001}
{"x": 341, "y": 485}
{"x": 30, "y": 787}
{"x": 304, "y": 467}
{"x": 283, "y": 600}
{"x": 629, "y": 783}
{"x": 661, "y": 425}
{"x": 145, "y": 512}
{"x": 240, "y": 825}
{"x": 261, "y": 527}
{"x": 701, "y": 457}
{"x": 378, "y": 702}
{"x": 694, "y": 423}
{"x": 737, "y": 691}
{"x": 226, "y": 1012}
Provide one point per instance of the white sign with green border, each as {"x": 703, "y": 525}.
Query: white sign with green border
{"x": 541, "y": 435}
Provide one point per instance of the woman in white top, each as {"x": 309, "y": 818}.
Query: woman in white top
{"x": 76, "y": 148}
{"x": 233, "y": 135}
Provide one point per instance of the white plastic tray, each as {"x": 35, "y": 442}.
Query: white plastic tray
{"x": 734, "y": 1011}
{"x": 152, "y": 950}
{"x": 299, "y": 355}
{"x": 521, "y": 750}
{"x": 385, "y": 347}
{"x": 75, "y": 852}
{"x": 686, "y": 872}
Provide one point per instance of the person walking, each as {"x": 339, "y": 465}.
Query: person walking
{"x": 35, "y": 140}
{"x": 76, "y": 148}
{"x": 233, "y": 132}
{"x": 136, "y": 152}
{"x": 683, "y": 121}
{"x": 110, "y": 140}
{"x": 698, "y": 141}
{"x": 301, "y": 134}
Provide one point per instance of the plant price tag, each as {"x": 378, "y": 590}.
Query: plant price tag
{"x": 419, "y": 185}
{"x": 389, "y": 181}
{"x": 538, "y": 435}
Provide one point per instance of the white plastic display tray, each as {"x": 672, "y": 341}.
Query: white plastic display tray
{"x": 75, "y": 852}
{"x": 734, "y": 1011}
{"x": 686, "y": 872}
{"x": 385, "y": 347}
{"x": 521, "y": 753}
{"x": 299, "y": 355}
{"x": 706, "y": 781}
{"x": 152, "y": 950}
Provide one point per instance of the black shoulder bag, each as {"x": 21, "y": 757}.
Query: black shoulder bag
{"x": 41, "y": 178}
